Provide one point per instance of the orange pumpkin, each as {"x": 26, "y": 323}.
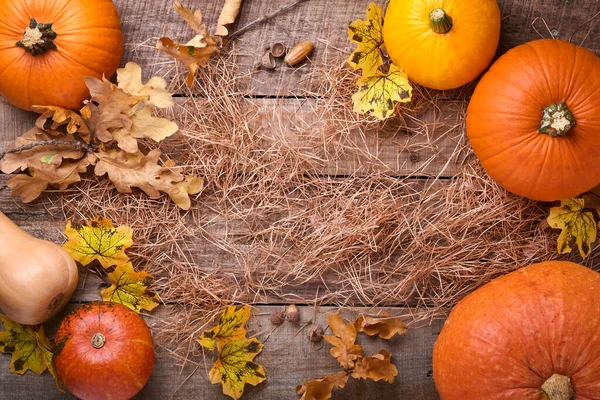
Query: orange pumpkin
{"x": 104, "y": 351}
{"x": 534, "y": 120}
{"x": 532, "y": 331}
{"x": 442, "y": 44}
{"x": 48, "y": 47}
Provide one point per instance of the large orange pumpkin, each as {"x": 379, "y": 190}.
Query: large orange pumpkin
{"x": 105, "y": 351}
{"x": 534, "y": 120}
{"x": 522, "y": 334}
{"x": 48, "y": 47}
{"x": 442, "y": 44}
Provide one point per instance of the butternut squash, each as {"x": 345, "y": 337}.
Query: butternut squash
{"x": 37, "y": 277}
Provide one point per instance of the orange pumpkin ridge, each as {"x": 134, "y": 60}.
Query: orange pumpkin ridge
{"x": 533, "y": 120}
{"x": 48, "y": 47}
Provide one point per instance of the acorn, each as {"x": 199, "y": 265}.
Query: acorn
{"x": 298, "y": 53}
{"x": 291, "y": 313}
{"x": 315, "y": 333}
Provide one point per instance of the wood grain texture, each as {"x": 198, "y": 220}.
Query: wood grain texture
{"x": 288, "y": 358}
{"x": 325, "y": 24}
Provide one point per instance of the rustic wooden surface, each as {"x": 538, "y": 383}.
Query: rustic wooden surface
{"x": 289, "y": 357}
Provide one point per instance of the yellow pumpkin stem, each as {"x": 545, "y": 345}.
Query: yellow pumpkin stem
{"x": 439, "y": 21}
{"x": 558, "y": 387}
{"x": 38, "y": 38}
{"x": 557, "y": 120}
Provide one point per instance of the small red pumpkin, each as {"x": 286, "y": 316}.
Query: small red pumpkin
{"x": 532, "y": 334}
{"x": 105, "y": 351}
{"x": 534, "y": 120}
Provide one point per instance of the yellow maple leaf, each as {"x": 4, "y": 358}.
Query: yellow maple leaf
{"x": 321, "y": 388}
{"x": 377, "y": 93}
{"x": 23, "y": 341}
{"x": 99, "y": 240}
{"x": 377, "y": 367}
{"x": 368, "y": 35}
{"x": 230, "y": 327}
{"x": 130, "y": 288}
{"x": 344, "y": 349}
{"x": 229, "y": 13}
{"x": 576, "y": 224}
{"x": 235, "y": 367}
{"x": 384, "y": 326}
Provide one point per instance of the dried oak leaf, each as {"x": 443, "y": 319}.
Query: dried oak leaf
{"x": 43, "y": 174}
{"x": 99, "y": 240}
{"x": 228, "y": 15}
{"x": 196, "y": 52}
{"x": 154, "y": 91}
{"x": 377, "y": 367}
{"x": 576, "y": 224}
{"x": 235, "y": 367}
{"x": 344, "y": 349}
{"x": 52, "y": 118}
{"x": 378, "y": 92}
{"x": 230, "y": 327}
{"x": 52, "y": 154}
{"x": 127, "y": 171}
{"x": 321, "y": 388}
{"x": 368, "y": 34}
{"x": 384, "y": 326}
{"x": 130, "y": 288}
{"x": 592, "y": 198}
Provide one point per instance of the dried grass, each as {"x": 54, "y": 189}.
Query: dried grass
{"x": 284, "y": 219}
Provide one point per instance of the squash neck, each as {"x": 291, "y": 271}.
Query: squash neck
{"x": 439, "y": 21}
{"x": 558, "y": 387}
{"x": 38, "y": 38}
{"x": 557, "y": 120}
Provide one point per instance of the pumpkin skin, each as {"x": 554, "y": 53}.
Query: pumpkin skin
{"x": 504, "y": 114}
{"x": 117, "y": 370}
{"x": 505, "y": 339}
{"x": 442, "y": 60}
{"x": 88, "y": 42}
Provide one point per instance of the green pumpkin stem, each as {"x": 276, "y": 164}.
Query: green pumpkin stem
{"x": 557, "y": 120}
{"x": 558, "y": 387}
{"x": 439, "y": 21}
{"x": 38, "y": 38}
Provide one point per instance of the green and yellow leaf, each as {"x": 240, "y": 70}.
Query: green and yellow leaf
{"x": 99, "y": 240}
{"x": 235, "y": 367}
{"x": 368, "y": 34}
{"x": 130, "y": 288}
{"x": 378, "y": 93}
{"x": 578, "y": 226}
{"x": 230, "y": 327}
{"x": 27, "y": 344}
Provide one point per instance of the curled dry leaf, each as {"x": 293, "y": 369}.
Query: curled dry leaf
{"x": 130, "y": 288}
{"x": 576, "y": 224}
{"x": 228, "y": 15}
{"x": 377, "y": 367}
{"x": 378, "y": 93}
{"x": 322, "y": 388}
{"x": 384, "y": 326}
{"x": 368, "y": 34}
{"x": 99, "y": 240}
{"x": 52, "y": 118}
{"x": 197, "y": 51}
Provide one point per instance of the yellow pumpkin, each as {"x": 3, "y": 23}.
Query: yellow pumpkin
{"x": 442, "y": 44}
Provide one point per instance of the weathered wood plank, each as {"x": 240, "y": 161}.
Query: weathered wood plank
{"x": 325, "y": 23}
{"x": 288, "y": 358}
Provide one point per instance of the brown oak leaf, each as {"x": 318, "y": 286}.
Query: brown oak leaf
{"x": 321, "y": 388}
{"x": 344, "y": 349}
{"x": 377, "y": 367}
{"x": 384, "y": 326}
{"x": 52, "y": 118}
{"x": 228, "y": 15}
{"x": 154, "y": 91}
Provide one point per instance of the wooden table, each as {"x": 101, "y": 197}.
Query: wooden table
{"x": 289, "y": 358}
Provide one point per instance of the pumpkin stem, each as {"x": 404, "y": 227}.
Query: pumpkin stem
{"x": 558, "y": 387}
{"x": 98, "y": 340}
{"x": 38, "y": 38}
{"x": 557, "y": 120}
{"x": 439, "y": 21}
